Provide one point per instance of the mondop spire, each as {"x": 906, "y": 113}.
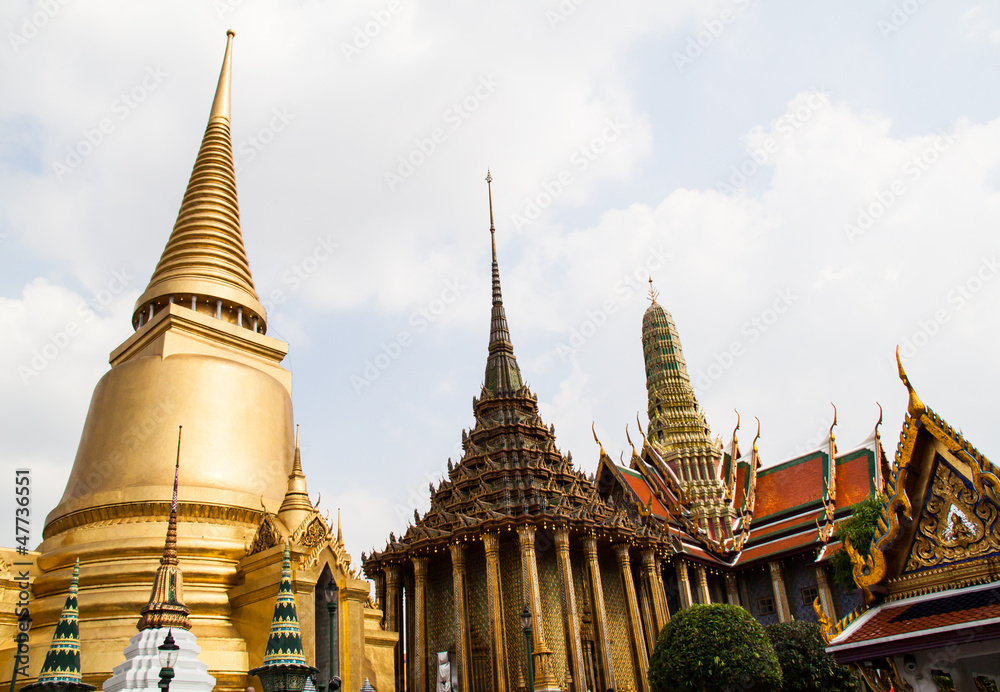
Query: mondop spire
{"x": 204, "y": 264}
{"x": 502, "y": 374}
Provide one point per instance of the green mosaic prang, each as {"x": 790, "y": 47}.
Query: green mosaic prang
{"x": 284, "y": 644}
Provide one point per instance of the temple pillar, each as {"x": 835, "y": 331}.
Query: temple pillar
{"x": 825, "y": 593}
{"x": 732, "y": 592}
{"x": 635, "y": 629}
{"x": 392, "y": 618}
{"x": 420, "y": 624}
{"x": 462, "y": 653}
{"x": 529, "y": 574}
{"x": 498, "y": 646}
{"x": 658, "y": 596}
{"x": 660, "y": 590}
{"x": 573, "y": 644}
{"x": 684, "y": 584}
{"x": 600, "y": 614}
{"x": 703, "y": 593}
{"x": 780, "y": 593}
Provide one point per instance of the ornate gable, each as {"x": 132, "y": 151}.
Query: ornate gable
{"x": 939, "y": 525}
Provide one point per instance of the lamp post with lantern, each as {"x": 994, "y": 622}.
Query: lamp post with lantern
{"x": 331, "y": 608}
{"x": 168, "y": 652}
{"x": 526, "y": 628}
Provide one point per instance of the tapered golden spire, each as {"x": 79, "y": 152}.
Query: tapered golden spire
{"x": 502, "y": 374}
{"x": 204, "y": 265}
{"x": 166, "y": 602}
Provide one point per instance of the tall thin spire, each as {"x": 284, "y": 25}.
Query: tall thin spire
{"x": 165, "y": 607}
{"x": 502, "y": 373}
{"x": 61, "y": 670}
{"x": 204, "y": 262}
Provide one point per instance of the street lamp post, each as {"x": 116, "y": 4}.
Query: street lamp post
{"x": 168, "y": 651}
{"x": 526, "y": 628}
{"x": 331, "y": 608}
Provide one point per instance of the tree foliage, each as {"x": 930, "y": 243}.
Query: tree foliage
{"x": 714, "y": 648}
{"x": 859, "y": 529}
{"x": 805, "y": 664}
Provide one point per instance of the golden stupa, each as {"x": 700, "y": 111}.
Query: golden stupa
{"x": 200, "y": 358}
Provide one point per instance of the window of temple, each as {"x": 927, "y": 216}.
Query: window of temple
{"x": 809, "y": 595}
{"x": 765, "y": 606}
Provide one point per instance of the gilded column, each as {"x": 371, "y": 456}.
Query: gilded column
{"x": 391, "y": 606}
{"x": 780, "y": 593}
{"x": 646, "y": 613}
{"x": 655, "y": 585}
{"x": 600, "y": 614}
{"x": 825, "y": 594}
{"x": 573, "y": 644}
{"x": 462, "y": 652}
{"x": 732, "y": 592}
{"x": 660, "y": 590}
{"x": 529, "y": 572}
{"x": 498, "y": 643}
{"x": 420, "y": 624}
{"x": 703, "y": 593}
{"x": 684, "y": 584}
{"x": 638, "y": 641}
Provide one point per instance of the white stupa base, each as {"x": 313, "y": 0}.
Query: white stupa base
{"x": 141, "y": 669}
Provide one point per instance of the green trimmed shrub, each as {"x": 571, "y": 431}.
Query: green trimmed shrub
{"x": 859, "y": 529}
{"x": 805, "y": 664}
{"x": 714, "y": 648}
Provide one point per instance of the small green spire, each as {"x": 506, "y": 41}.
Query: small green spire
{"x": 61, "y": 669}
{"x": 284, "y": 668}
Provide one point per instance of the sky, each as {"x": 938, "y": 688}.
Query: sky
{"x": 808, "y": 185}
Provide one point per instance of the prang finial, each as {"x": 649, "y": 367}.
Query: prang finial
{"x": 489, "y": 189}
{"x": 653, "y": 293}
{"x": 177, "y": 470}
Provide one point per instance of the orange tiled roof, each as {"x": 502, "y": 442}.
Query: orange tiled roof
{"x": 642, "y": 492}
{"x": 795, "y": 483}
{"x": 893, "y": 627}
{"x": 854, "y": 478}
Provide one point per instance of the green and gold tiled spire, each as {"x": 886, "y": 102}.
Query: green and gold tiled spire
{"x": 284, "y": 668}
{"x": 61, "y": 670}
{"x": 678, "y": 430}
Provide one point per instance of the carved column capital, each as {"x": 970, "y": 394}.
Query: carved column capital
{"x": 621, "y": 554}
{"x": 392, "y": 574}
{"x": 491, "y": 543}
{"x": 457, "y": 556}
{"x": 648, "y": 560}
{"x": 526, "y": 536}
{"x": 419, "y": 568}
{"x": 590, "y": 546}
{"x": 562, "y": 539}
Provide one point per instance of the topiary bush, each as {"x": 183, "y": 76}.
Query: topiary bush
{"x": 805, "y": 664}
{"x": 714, "y": 648}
